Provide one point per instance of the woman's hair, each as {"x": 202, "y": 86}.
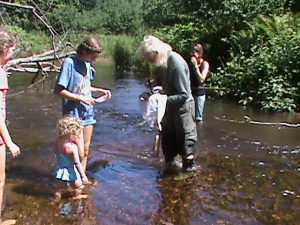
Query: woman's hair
{"x": 90, "y": 45}
{"x": 7, "y": 39}
{"x": 69, "y": 125}
{"x": 155, "y": 45}
{"x": 198, "y": 48}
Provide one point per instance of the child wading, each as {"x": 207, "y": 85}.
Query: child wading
{"x": 68, "y": 168}
{"x": 7, "y": 45}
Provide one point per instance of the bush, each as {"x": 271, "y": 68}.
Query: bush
{"x": 265, "y": 66}
{"x": 31, "y": 42}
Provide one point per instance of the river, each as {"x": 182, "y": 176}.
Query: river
{"x": 249, "y": 173}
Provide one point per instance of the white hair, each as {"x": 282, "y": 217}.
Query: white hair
{"x": 154, "y": 44}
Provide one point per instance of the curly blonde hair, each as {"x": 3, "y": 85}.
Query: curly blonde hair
{"x": 69, "y": 125}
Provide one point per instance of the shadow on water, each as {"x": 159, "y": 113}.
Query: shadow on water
{"x": 249, "y": 173}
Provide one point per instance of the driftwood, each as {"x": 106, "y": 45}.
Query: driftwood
{"x": 36, "y": 11}
{"x": 248, "y": 120}
{"x": 33, "y": 63}
{"x": 43, "y": 63}
{"x": 212, "y": 88}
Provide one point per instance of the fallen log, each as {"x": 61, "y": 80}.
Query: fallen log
{"x": 250, "y": 121}
{"x": 211, "y": 88}
{"x": 37, "y": 58}
{"x": 53, "y": 55}
{"x": 35, "y": 70}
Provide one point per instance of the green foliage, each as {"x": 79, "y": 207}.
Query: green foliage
{"x": 158, "y": 12}
{"x": 125, "y": 53}
{"x": 31, "y": 43}
{"x": 209, "y": 22}
{"x": 180, "y": 37}
{"x": 265, "y": 64}
{"x": 107, "y": 16}
{"x": 122, "y": 56}
{"x": 121, "y": 16}
{"x": 65, "y": 17}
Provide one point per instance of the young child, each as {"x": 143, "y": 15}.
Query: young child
{"x": 7, "y": 45}
{"x": 153, "y": 106}
{"x": 69, "y": 168}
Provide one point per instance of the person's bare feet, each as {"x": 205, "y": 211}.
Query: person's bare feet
{"x": 92, "y": 182}
{"x": 81, "y": 196}
{"x": 8, "y": 222}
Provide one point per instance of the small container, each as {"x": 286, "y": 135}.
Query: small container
{"x": 100, "y": 99}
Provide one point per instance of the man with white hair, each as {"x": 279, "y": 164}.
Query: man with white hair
{"x": 179, "y": 132}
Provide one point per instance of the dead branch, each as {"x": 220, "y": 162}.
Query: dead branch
{"x": 32, "y": 64}
{"x": 36, "y": 58}
{"x": 248, "y": 120}
{"x": 35, "y": 70}
{"x": 211, "y": 88}
{"x": 33, "y": 9}
{"x": 42, "y": 63}
{"x": 21, "y": 64}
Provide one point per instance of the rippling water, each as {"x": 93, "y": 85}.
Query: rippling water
{"x": 249, "y": 173}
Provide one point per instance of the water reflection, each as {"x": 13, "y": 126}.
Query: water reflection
{"x": 249, "y": 174}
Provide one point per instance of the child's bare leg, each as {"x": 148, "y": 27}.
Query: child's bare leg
{"x": 78, "y": 187}
{"x": 87, "y": 137}
{"x": 2, "y": 182}
{"x": 157, "y": 144}
{"x": 2, "y": 174}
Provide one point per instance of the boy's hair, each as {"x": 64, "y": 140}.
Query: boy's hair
{"x": 69, "y": 125}
{"x": 90, "y": 45}
{"x": 7, "y": 39}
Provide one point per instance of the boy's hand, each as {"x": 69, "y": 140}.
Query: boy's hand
{"x": 107, "y": 92}
{"x": 87, "y": 100}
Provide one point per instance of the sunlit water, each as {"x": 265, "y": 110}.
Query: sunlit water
{"x": 249, "y": 173}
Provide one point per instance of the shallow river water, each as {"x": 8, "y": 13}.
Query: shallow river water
{"x": 249, "y": 173}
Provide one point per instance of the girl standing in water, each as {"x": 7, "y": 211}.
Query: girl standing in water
{"x": 69, "y": 168}
{"x": 7, "y": 45}
{"x": 74, "y": 85}
{"x": 199, "y": 73}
